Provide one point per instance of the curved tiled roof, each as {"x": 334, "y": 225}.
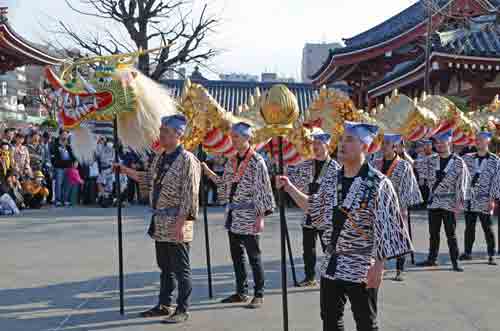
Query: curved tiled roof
{"x": 407, "y": 67}
{"x": 482, "y": 40}
{"x": 33, "y": 52}
{"x": 391, "y": 28}
{"x": 231, "y": 94}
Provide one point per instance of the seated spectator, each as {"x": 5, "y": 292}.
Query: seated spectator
{"x": 7, "y": 205}
{"x": 35, "y": 191}
{"x": 74, "y": 181}
{"x": 13, "y": 188}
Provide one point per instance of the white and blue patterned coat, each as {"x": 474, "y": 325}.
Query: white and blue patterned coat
{"x": 254, "y": 188}
{"x": 179, "y": 189}
{"x": 302, "y": 175}
{"x": 404, "y": 181}
{"x": 372, "y": 232}
{"x": 487, "y": 187}
{"x": 453, "y": 190}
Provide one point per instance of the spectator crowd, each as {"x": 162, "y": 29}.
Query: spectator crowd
{"x": 39, "y": 169}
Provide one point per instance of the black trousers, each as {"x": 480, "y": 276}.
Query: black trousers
{"x": 333, "y": 297}
{"x": 132, "y": 189}
{"x": 173, "y": 261}
{"x": 400, "y": 263}
{"x": 309, "y": 237}
{"x": 436, "y": 218}
{"x": 90, "y": 191}
{"x": 470, "y": 231}
{"x": 238, "y": 244}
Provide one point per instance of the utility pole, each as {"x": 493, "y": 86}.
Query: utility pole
{"x": 428, "y": 47}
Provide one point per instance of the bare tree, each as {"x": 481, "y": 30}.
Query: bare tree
{"x": 148, "y": 23}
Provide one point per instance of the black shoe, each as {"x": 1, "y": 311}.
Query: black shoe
{"x": 256, "y": 303}
{"x": 308, "y": 283}
{"x": 177, "y": 318}
{"x": 491, "y": 261}
{"x": 465, "y": 257}
{"x": 399, "y": 276}
{"x": 427, "y": 263}
{"x": 160, "y": 310}
{"x": 457, "y": 267}
{"x": 236, "y": 298}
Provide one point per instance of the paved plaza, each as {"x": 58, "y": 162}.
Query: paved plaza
{"x": 59, "y": 267}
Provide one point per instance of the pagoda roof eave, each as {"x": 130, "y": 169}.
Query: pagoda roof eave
{"x": 16, "y": 45}
{"x": 360, "y": 55}
{"x": 402, "y": 28}
{"x": 417, "y": 71}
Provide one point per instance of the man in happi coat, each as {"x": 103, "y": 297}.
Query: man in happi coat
{"x": 426, "y": 146}
{"x": 246, "y": 190}
{"x": 484, "y": 168}
{"x": 401, "y": 174}
{"x": 172, "y": 182}
{"x": 448, "y": 182}
{"x": 366, "y": 229}
{"x": 307, "y": 177}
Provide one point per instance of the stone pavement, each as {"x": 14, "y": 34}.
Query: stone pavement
{"x": 58, "y": 272}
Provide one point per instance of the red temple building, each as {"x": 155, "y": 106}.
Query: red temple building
{"x": 464, "y": 54}
{"x": 15, "y": 51}
{"x": 20, "y": 74}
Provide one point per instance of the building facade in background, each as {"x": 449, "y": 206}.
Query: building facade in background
{"x": 313, "y": 57}
{"x": 239, "y": 77}
{"x": 464, "y": 54}
{"x": 21, "y": 65}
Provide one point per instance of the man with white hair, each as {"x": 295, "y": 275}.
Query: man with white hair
{"x": 245, "y": 187}
{"x": 307, "y": 177}
{"x": 172, "y": 182}
{"x": 367, "y": 229}
{"x": 484, "y": 168}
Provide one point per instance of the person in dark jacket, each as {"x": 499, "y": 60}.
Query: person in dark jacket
{"x": 132, "y": 160}
{"x": 62, "y": 159}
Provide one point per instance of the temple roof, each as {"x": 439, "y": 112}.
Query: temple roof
{"x": 479, "y": 41}
{"x": 393, "y": 31}
{"x": 231, "y": 94}
{"x": 16, "y": 51}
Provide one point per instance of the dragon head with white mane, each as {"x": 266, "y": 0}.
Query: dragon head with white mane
{"x": 98, "y": 89}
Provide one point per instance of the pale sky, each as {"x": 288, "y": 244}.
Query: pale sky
{"x": 256, "y": 35}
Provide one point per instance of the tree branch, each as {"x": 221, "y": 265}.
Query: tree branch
{"x": 147, "y": 21}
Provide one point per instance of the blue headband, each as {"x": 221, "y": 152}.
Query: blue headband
{"x": 243, "y": 129}
{"x": 426, "y": 142}
{"x": 365, "y": 132}
{"x": 177, "y": 122}
{"x": 444, "y": 136}
{"x": 321, "y": 136}
{"x": 485, "y": 135}
{"x": 393, "y": 138}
